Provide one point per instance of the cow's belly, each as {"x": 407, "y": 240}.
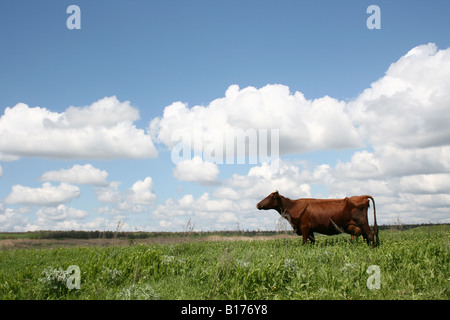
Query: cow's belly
{"x": 330, "y": 230}
{"x": 329, "y": 226}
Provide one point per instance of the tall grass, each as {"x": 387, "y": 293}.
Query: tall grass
{"x": 413, "y": 264}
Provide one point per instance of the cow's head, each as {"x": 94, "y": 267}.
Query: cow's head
{"x": 272, "y": 201}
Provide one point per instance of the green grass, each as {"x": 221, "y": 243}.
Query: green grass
{"x": 414, "y": 264}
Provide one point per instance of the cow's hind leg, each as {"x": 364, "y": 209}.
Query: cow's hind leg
{"x": 368, "y": 235}
{"x": 361, "y": 220}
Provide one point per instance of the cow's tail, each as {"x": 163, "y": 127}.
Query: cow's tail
{"x": 375, "y": 226}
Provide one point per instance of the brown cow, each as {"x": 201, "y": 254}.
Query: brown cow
{"x": 326, "y": 216}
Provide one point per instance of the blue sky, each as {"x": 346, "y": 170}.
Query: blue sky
{"x": 150, "y": 55}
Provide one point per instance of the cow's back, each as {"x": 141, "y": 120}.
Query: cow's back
{"x": 328, "y": 207}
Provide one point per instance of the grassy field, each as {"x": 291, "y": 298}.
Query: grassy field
{"x": 412, "y": 264}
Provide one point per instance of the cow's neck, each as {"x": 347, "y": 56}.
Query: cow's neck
{"x": 286, "y": 205}
{"x": 284, "y": 210}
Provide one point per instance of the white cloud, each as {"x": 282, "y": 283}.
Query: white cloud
{"x": 60, "y": 213}
{"x": 44, "y": 223}
{"x": 261, "y": 180}
{"x": 204, "y": 213}
{"x": 134, "y": 200}
{"x": 110, "y": 193}
{"x": 59, "y": 217}
{"x": 48, "y": 195}
{"x": 197, "y": 170}
{"x": 106, "y": 112}
{"x": 142, "y": 192}
{"x": 12, "y": 219}
{"x": 8, "y": 157}
{"x": 226, "y": 193}
{"x": 426, "y": 183}
{"x": 390, "y": 161}
{"x": 78, "y": 174}
{"x": 409, "y": 106}
{"x": 105, "y": 224}
{"x": 305, "y": 125}
{"x": 102, "y": 130}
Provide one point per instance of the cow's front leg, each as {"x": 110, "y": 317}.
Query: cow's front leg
{"x": 305, "y": 238}
{"x": 305, "y": 233}
{"x": 311, "y": 237}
